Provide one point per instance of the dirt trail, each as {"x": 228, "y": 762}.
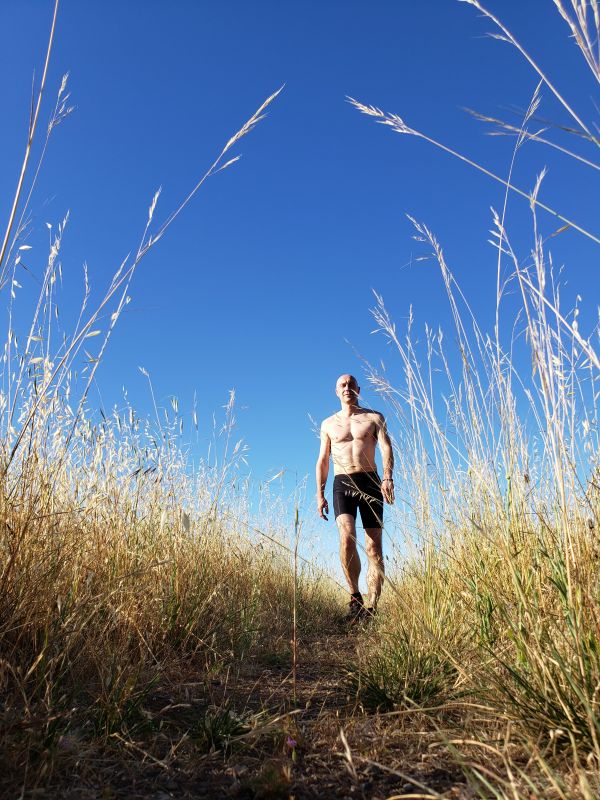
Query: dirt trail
{"x": 326, "y": 705}
{"x": 292, "y": 751}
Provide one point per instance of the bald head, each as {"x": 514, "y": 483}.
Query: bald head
{"x": 346, "y": 377}
{"x": 347, "y": 389}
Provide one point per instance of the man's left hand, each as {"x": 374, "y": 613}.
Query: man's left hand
{"x": 387, "y": 489}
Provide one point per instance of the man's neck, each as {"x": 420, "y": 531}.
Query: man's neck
{"x": 348, "y": 411}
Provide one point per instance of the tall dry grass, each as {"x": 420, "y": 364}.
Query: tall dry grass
{"x": 122, "y": 567}
{"x": 493, "y": 628}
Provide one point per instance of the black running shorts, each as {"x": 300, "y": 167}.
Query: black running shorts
{"x": 359, "y": 490}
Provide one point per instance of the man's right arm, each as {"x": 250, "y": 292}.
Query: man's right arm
{"x": 322, "y": 472}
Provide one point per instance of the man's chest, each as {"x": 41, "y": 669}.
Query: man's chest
{"x": 342, "y": 431}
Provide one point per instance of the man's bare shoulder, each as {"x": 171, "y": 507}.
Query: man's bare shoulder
{"x": 376, "y": 416}
{"x": 328, "y": 422}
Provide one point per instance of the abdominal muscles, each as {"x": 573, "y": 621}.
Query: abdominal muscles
{"x": 353, "y": 455}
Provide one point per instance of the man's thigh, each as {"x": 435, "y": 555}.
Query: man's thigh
{"x": 371, "y": 510}
{"x": 346, "y": 525}
{"x": 345, "y": 500}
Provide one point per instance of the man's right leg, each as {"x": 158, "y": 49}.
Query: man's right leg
{"x": 348, "y": 550}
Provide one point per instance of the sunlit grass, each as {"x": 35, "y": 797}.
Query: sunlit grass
{"x": 122, "y": 565}
{"x": 124, "y": 568}
{"x": 497, "y": 470}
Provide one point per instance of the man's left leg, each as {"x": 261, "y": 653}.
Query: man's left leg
{"x": 376, "y": 569}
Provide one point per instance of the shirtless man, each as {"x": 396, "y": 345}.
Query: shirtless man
{"x": 350, "y": 437}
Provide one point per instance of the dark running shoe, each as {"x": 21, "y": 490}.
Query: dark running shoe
{"x": 356, "y": 609}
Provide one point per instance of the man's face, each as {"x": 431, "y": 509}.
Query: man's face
{"x": 347, "y": 389}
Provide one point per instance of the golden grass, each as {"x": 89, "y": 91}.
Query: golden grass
{"x": 121, "y": 566}
{"x": 123, "y": 569}
{"x": 498, "y": 608}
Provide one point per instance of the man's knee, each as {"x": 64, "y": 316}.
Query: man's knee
{"x": 348, "y": 548}
{"x": 346, "y": 526}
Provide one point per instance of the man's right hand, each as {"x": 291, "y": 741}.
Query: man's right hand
{"x": 322, "y": 507}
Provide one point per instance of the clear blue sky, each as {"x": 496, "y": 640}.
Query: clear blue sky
{"x": 264, "y": 283}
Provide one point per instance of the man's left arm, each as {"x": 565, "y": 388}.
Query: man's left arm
{"x": 387, "y": 457}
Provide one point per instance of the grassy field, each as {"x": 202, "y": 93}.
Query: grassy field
{"x": 156, "y": 642}
{"x": 494, "y": 622}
